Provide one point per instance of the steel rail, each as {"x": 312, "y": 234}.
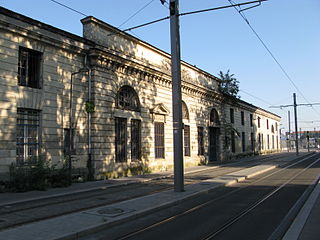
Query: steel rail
{"x": 253, "y": 206}
{"x": 89, "y": 195}
{"x": 213, "y": 200}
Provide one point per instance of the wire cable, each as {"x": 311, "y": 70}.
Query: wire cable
{"x": 269, "y": 51}
{"x": 133, "y": 15}
{"x": 70, "y": 8}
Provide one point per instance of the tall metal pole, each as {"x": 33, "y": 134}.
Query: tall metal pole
{"x": 176, "y": 97}
{"x": 289, "y": 130}
{"x": 296, "y": 122}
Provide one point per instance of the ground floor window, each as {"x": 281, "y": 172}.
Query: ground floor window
{"x": 268, "y": 142}
{"x": 28, "y": 132}
{"x": 121, "y": 139}
{"x": 159, "y": 139}
{"x": 186, "y": 136}
{"x": 243, "y": 142}
{"x": 200, "y": 141}
{"x": 233, "y": 142}
{"x": 252, "y": 142}
{"x": 135, "y": 140}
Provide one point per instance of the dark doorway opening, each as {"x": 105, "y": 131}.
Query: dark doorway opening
{"x": 213, "y": 144}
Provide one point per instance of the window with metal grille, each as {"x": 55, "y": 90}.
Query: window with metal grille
{"x": 200, "y": 141}
{"x": 159, "y": 139}
{"x": 29, "y": 68}
{"x": 135, "y": 140}
{"x": 121, "y": 139}
{"x": 231, "y": 115}
{"x": 186, "y": 137}
{"x": 28, "y": 132}
{"x": 128, "y": 99}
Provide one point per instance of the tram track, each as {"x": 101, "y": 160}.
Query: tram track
{"x": 17, "y": 214}
{"x": 311, "y": 160}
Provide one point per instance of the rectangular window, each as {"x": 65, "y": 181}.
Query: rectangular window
{"x": 67, "y": 141}
{"x": 243, "y": 142}
{"x": 259, "y": 141}
{"x": 135, "y": 140}
{"x": 231, "y": 115}
{"x": 262, "y": 141}
{"x": 200, "y": 141}
{"x": 233, "y": 141}
{"x": 121, "y": 139}
{"x": 29, "y": 68}
{"x": 159, "y": 139}
{"x": 258, "y": 122}
{"x": 268, "y": 142}
{"x": 251, "y": 120}
{"x": 252, "y": 142}
{"x": 267, "y": 124}
{"x": 28, "y": 132}
{"x": 242, "y": 118}
{"x": 186, "y": 136}
{"x": 272, "y": 141}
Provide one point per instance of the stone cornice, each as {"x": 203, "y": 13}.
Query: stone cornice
{"x": 125, "y": 66}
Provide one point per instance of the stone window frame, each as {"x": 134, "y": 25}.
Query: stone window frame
{"x": 128, "y": 99}
{"x": 28, "y": 136}
{"x": 30, "y": 68}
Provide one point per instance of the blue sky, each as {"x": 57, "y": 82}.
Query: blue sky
{"x": 220, "y": 40}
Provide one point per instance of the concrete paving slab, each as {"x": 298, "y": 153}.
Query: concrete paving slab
{"x": 78, "y": 224}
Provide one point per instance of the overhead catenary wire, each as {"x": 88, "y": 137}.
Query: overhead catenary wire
{"x": 137, "y": 12}
{"x": 269, "y": 51}
{"x": 70, "y": 8}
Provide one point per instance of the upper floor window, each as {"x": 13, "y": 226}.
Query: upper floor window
{"x": 231, "y": 115}
{"x": 128, "y": 99}
{"x": 251, "y": 120}
{"x": 259, "y": 122}
{"x": 214, "y": 116}
{"x": 272, "y": 129}
{"x": 267, "y": 124}
{"x": 29, "y": 68}
{"x": 276, "y": 126}
{"x": 185, "y": 112}
{"x": 242, "y": 118}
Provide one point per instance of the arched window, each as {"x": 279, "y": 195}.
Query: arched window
{"x": 185, "y": 112}
{"x": 128, "y": 99}
{"x": 214, "y": 117}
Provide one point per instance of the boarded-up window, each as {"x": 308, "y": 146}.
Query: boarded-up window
{"x": 159, "y": 139}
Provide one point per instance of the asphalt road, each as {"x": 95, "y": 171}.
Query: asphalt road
{"x": 252, "y": 209}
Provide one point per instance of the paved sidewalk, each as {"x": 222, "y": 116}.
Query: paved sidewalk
{"x": 78, "y": 224}
{"x": 75, "y": 225}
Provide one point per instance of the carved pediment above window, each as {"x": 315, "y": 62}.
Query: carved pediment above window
{"x": 159, "y": 112}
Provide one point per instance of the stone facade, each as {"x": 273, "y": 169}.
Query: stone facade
{"x": 108, "y": 68}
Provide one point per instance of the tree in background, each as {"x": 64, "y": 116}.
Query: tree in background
{"x": 229, "y": 84}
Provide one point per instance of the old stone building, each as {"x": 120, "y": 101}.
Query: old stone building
{"x": 114, "y": 92}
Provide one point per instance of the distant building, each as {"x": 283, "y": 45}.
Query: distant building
{"x": 121, "y": 102}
